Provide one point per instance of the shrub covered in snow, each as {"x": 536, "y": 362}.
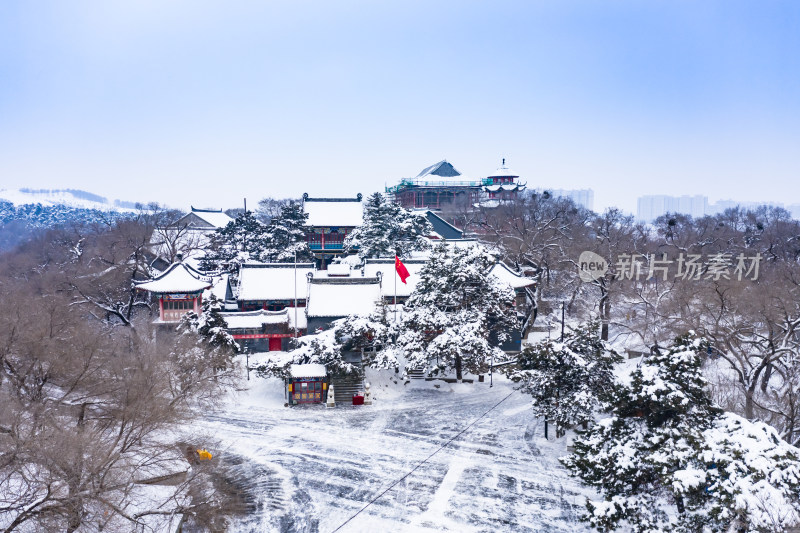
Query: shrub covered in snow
{"x": 568, "y": 379}
{"x": 668, "y": 460}
{"x": 370, "y": 333}
{"x": 453, "y": 312}
{"x": 210, "y": 326}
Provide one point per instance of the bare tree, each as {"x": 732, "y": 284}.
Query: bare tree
{"x": 269, "y": 208}
{"x": 172, "y": 237}
{"x": 539, "y": 234}
{"x": 93, "y": 411}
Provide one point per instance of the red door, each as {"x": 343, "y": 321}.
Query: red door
{"x": 275, "y": 344}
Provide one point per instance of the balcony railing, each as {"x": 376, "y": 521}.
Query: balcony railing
{"x": 428, "y": 183}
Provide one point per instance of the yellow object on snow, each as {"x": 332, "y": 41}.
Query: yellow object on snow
{"x": 204, "y": 455}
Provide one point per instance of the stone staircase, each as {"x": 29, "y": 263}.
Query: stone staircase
{"x": 416, "y": 373}
{"x": 344, "y": 387}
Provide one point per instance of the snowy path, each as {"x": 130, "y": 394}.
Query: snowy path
{"x": 312, "y": 468}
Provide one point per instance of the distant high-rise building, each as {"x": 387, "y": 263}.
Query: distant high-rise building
{"x": 722, "y": 205}
{"x": 584, "y": 197}
{"x": 651, "y": 207}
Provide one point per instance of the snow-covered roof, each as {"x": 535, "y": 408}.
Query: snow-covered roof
{"x": 178, "y": 278}
{"x": 442, "y": 169}
{"x": 339, "y": 269}
{"x": 440, "y": 175}
{"x": 255, "y": 319}
{"x": 219, "y": 287}
{"x": 441, "y": 228}
{"x": 504, "y": 187}
{"x": 389, "y": 275}
{"x": 216, "y": 218}
{"x": 333, "y": 212}
{"x": 503, "y": 172}
{"x": 462, "y": 243}
{"x": 273, "y": 281}
{"x": 504, "y": 274}
{"x": 342, "y": 297}
{"x": 313, "y": 370}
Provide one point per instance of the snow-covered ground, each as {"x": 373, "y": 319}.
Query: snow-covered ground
{"x": 311, "y": 468}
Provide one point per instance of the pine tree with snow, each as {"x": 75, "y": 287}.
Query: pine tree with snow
{"x": 388, "y": 229}
{"x": 454, "y": 311}
{"x": 210, "y": 326}
{"x": 285, "y": 236}
{"x": 569, "y": 379}
{"x": 669, "y": 460}
{"x": 368, "y": 334}
{"x": 242, "y": 239}
{"x": 371, "y": 335}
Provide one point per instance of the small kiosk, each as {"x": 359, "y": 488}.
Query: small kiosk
{"x": 307, "y": 384}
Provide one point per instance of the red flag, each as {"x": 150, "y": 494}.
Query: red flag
{"x": 401, "y": 269}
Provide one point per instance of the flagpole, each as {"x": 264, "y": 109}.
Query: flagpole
{"x": 395, "y": 287}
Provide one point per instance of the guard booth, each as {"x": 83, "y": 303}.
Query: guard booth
{"x": 307, "y": 384}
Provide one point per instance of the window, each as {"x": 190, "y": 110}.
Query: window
{"x": 314, "y": 241}
{"x": 178, "y": 305}
{"x": 334, "y": 240}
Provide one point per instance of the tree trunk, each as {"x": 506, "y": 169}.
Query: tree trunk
{"x": 459, "y": 375}
{"x": 605, "y": 312}
{"x": 766, "y": 377}
{"x": 605, "y": 308}
{"x": 749, "y": 405}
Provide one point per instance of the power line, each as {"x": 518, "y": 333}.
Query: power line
{"x": 440, "y": 448}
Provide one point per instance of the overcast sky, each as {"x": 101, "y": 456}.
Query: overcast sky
{"x": 205, "y": 103}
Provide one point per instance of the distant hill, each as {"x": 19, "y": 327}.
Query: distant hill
{"x": 68, "y": 197}
{"x": 24, "y": 211}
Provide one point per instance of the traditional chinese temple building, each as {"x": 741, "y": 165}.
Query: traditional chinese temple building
{"x": 503, "y": 184}
{"x": 441, "y": 184}
{"x": 190, "y": 234}
{"x": 273, "y": 286}
{"x": 265, "y": 331}
{"x": 435, "y": 186}
{"x": 204, "y": 219}
{"x": 338, "y": 295}
{"x": 179, "y": 289}
{"x": 329, "y": 221}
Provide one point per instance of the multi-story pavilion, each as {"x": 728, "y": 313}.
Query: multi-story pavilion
{"x": 435, "y": 186}
{"x": 329, "y": 221}
{"x": 179, "y": 289}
